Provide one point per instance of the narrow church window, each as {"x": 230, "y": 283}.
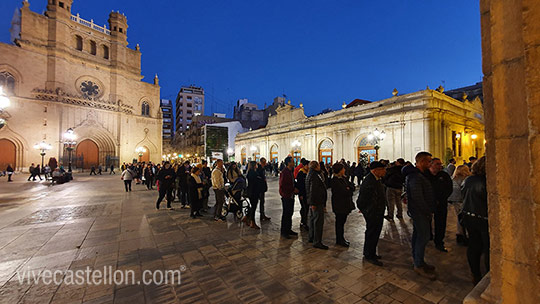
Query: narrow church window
{"x": 121, "y": 31}
{"x": 93, "y": 48}
{"x": 7, "y": 82}
{"x": 61, "y": 4}
{"x": 145, "y": 111}
{"x": 78, "y": 43}
{"x": 105, "y": 52}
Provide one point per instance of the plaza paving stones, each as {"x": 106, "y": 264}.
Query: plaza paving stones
{"x": 91, "y": 222}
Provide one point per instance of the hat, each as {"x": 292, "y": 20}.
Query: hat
{"x": 375, "y": 165}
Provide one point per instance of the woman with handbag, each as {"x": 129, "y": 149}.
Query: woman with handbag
{"x": 195, "y": 189}
{"x": 342, "y": 202}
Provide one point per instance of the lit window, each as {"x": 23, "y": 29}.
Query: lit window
{"x": 7, "y": 82}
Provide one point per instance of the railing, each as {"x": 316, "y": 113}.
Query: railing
{"x": 91, "y": 24}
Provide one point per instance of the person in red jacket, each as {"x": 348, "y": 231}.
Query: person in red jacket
{"x": 287, "y": 191}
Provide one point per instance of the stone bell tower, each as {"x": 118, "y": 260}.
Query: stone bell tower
{"x": 118, "y": 26}
{"x": 59, "y": 14}
{"x": 59, "y": 9}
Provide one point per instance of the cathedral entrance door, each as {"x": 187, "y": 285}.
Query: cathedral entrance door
{"x": 8, "y": 155}
{"x": 89, "y": 152}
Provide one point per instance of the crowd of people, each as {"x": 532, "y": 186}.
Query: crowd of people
{"x": 426, "y": 188}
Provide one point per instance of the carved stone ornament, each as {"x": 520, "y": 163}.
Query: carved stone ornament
{"x": 89, "y": 87}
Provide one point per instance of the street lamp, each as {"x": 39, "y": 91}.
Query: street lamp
{"x": 296, "y": 144}
{"x": 43, "y": 147}
{"x": 4, "y": 103}
{"x": 69, "y": 143}
{"x": 375, "y": 138}
{"x": 140, "y": 151}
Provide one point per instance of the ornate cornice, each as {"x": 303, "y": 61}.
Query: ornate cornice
{"x": 60, "y": 96}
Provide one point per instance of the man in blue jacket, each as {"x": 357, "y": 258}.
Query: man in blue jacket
{"x": 421, "y": 205}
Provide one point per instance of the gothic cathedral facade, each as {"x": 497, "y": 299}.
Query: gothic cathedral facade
{"x": 63, "y": 72}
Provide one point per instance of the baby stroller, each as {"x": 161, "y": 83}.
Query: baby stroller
{"x": 234, "y": 200}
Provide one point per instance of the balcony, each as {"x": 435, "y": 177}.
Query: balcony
{"x": 91, "y": 24}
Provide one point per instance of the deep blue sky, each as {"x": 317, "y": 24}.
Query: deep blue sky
{"x": 317, "y": 52}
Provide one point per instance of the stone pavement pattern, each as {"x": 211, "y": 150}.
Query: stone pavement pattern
{"x": 92, "y": 222}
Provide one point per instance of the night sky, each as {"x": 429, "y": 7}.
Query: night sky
{"x": 319, "y": 53}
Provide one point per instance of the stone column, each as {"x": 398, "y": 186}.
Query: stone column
{"x": 511, "y": 65}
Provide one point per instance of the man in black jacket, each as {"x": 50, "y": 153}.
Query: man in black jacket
{"x": 316, "y": 198}
{"x": 394, "y": 185}
{"x": 442, "y": 186}
{"x": 166, "y": 177}
{"x": 421, "y": 205}
{"x": 183, "y": 172}
{"x": 372, "y": 203}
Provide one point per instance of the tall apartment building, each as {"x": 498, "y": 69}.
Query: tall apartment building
{"x": 189, "y": 103}
{"x": 166, "y": 106}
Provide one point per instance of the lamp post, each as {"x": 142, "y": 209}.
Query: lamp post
{"x": 473, "y": 139}
{"x": 375, "y": 138}
{"x": 43, "y": 147}
{"x": 140, "y": 151}
{"x": 4, "y": 103}
{"x": 69, "y": 143}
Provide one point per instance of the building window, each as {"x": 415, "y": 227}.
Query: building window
{"x": 78, "y": 43}
{"x": 145, "y": 110}
{"x": 93, "y": 48}
{"x": 190, "y": 105}
{"x": 105, "y": 52}
{"x": 61, "y": 4}
{"x": 7, "y": 82}
{"x": 189, "y": 98}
